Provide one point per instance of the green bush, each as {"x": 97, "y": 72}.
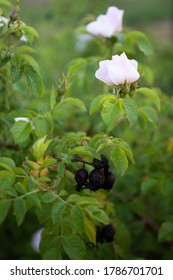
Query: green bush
{"x": 51, "y": 127}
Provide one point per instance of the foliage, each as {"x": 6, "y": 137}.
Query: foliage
{"x": 41, "y": 152}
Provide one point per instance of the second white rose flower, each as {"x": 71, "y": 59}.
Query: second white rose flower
{"x": 118, "y": 71}
{"x": 108, "y": 24}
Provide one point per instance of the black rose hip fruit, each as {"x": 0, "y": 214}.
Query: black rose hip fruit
{"x": 96, "y": 179}
{"x": 109, "y": 181}
{"x": 108, "y": 233}
{"x": 81, "y": 176}
{"x": 105, "y": 162}
{"x": 98, "y": 164}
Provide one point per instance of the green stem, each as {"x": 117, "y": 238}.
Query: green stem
{"x": 24, "y": 195}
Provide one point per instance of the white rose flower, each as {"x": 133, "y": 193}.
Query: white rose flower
{"x": 118, "y": 71}
{"x": 108, "y": 24}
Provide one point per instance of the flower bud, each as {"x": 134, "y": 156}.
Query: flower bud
{"x": 14, "y": 14}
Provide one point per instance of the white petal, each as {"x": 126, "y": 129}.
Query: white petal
{"x": 3, "y": 20}
{"x": 130, "y": 72}
{"x": 36, "y": 239}
{"x": 102, "y": 72}
{"x": 22, "y": 119}
{"x": 115, "y": 16}
{"x": 134, "y": 63}
{"x": 101, "y": 27}
{"x": 116, "y": 71}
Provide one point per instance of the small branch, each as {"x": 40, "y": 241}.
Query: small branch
{"x": 78, "y": 159}
{"x": 24, "y": 195}
{"x": 9, "y": 146}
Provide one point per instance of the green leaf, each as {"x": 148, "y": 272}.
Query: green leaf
{"x": 34, "y": 200}
{"x": 73, "y": 246}
{"x": 90, "y": 230}
{"x": 119, "y": 159}
{"x": 148, "y": 185}
{"x": 149, "y": 114}
{"x": 16, "y": 72}
{"x": 29, "y": 60}
{"x": 21, "y": 131}
{"x": 11, "y": 191}
{"x": 7, "y": 179}
{"x": 24, "y": 49}
{"x": 4, "y": 61}
{"x": 7, "y": 163}
{"x": 19, "y": 210}
{"x": 48, "y": 241}
{"x": 57, "y": 211}
{"x": 29, "y": 32}
{"x": 20, "y": 188}
{"x": 77, "y": 216}
{"x": 4, "y": 207}
{"x": 20, "y": 171}
{"x": 61, "y": 168}
{"x": 34, "y": 81}
{"x": 40, "y": 147}
{"x": 48, "y": 197}
{"x": 152, "y": 95}
{"x": 74, "y": 101}
{"x": 111, "y": 113}
{"x": 82, "y": 151}
{"x": 131, "y": 111}
{"x": 125, "y": 147}
{"x": 166, "y": 231}
{"x": 53, "y": 254}
{"x": 73, "y": 198}
{"x": 142, "y": 42}
{"x": 87, "y": 200}
{"x": 48, "y": 162}
{"x": 97, "y": 214}
{"x": 41, "y": 127}
{"x": 97, "y": 140}
{"x": 98, "y": 102}
{"x": 5, "y": 4}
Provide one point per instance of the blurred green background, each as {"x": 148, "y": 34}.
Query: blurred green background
{"x": 56, "y": 21}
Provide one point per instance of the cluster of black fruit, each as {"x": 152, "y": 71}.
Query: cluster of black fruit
{"x": 99, "y": 178}
{"x": 105, "y": 234}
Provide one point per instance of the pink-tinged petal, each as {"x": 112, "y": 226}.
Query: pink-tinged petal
{"x": 116, "y": 71}
{"x": 134, "y": 63}
{"x": 102, "y": 72}
{"x": 115, "y": 16}
{"x": 101, "y": 27}
{"x": 93, "y": 28}
{"x": 130, "y": 72}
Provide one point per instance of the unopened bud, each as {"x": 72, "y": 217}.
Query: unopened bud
{"x": 14, "y": 14}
